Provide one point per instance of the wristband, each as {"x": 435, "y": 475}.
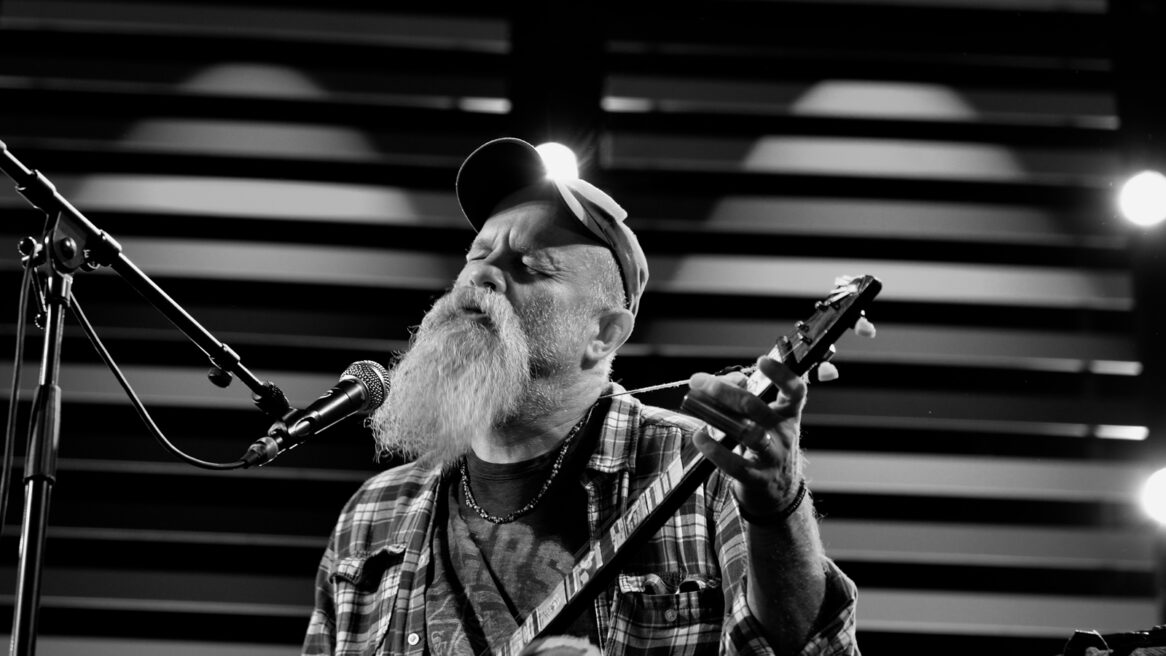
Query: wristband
{"x": 779, "y": 517}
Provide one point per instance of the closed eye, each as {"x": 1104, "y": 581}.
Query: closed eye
{"x": 539, "y": 267}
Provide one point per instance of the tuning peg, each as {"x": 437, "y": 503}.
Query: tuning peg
{"x": 864, "y": 328}
{"x": 219, "y": 377}
{"x": 826, "y": 372}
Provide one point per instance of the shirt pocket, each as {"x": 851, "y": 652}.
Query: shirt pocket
{"x": 667, "y": 613}
{"x": 364, "y": 588}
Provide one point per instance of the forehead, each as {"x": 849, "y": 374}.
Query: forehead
{"x": 534, "y": 224}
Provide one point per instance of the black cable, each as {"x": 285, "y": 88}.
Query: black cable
{"x": 14, "y": 398}
{"x": 136, "y": 402}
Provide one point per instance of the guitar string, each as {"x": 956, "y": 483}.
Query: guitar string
{"x": 677, "y": 383}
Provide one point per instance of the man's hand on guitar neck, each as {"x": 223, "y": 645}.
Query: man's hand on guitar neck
{"x": 766, "y": 467}
{"x": 786, "y": 581}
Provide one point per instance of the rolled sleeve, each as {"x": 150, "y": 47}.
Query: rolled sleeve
{"x": 834, "y": 635}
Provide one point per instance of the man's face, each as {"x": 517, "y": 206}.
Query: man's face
{"x": 502, "y": 344}
{"x": 539, "y": 260}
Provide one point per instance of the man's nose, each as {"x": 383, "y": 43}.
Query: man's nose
{"x": 481, "y": 273}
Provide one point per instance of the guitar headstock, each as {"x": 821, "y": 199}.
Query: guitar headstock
{"x": 811, "y": 342}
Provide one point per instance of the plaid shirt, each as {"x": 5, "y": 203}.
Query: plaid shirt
{"x": 682, "y": 593}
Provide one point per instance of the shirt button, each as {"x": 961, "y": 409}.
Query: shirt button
{"x": 413, "y": 639}
{"x": 670, "y": 614}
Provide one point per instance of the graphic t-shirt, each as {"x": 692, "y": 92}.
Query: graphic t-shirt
{"x": 469, "y": 608}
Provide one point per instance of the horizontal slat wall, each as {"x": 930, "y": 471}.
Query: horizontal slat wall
{"x": 285, "y": 172}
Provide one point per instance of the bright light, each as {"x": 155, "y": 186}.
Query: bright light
{"x": 559, "y": 160}
{"x": 1154, "y": 496}
{"x": 1143, "y": 198}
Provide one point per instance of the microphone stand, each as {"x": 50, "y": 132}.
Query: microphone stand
{"x": 71, "y": 243}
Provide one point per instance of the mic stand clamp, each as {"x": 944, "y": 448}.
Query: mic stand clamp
{"x": 272, "y": 401}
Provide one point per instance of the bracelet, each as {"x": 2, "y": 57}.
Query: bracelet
{"x": 779, "y": 517}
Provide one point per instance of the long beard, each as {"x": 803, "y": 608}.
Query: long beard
{"x": 463, "y": 374}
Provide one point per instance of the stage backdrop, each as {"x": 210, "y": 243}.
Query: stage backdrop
{"x": 285, "y": 171}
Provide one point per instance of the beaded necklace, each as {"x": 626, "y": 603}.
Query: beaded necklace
{"x": 530, "y": 505}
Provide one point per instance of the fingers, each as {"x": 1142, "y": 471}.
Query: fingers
{"x": 729, "y": 393}
{"x": 786, "y": 381}
{"x": 751, "y": 468}
{"x": 734, "y": 399}
{"x": 760, "y": 442}
{"x": 733, "y": 378}
{"x": 733, "y": 464}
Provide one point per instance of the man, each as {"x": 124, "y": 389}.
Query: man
{"x": 522, "y": 453}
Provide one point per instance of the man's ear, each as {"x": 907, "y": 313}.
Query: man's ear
{"x": 612, "y": 330}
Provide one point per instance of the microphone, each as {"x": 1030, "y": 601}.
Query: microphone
{"x": 361, "y": 390}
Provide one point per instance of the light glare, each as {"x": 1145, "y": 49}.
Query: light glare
{"x": 559, "y": 161}
{"x": 1154, "y": 496}
{"x": 1142, "y": 199}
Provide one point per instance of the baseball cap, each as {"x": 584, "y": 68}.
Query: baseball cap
{"x": 501, "y": 167}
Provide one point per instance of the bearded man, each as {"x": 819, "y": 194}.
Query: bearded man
{"x": 523, "y": 449}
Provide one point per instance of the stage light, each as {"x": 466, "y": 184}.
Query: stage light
{"x": 1142, "y": 199}
{"x": 559, "y": 160}
{"x": 1154, "y": 496}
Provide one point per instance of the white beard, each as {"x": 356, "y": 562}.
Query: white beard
{"x": 465, "y": 374}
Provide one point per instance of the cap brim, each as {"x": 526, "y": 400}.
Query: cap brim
{"x": 495, "y": 170}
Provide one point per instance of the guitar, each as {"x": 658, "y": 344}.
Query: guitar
{"x": 809, "y": 344}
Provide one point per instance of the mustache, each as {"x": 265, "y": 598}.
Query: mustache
{"x": 466, "y": 300}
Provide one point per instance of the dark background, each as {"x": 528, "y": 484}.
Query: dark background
{"x": 285, "y": 171}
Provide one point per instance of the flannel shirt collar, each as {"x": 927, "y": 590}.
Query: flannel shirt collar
{"x": 618, "y": 438}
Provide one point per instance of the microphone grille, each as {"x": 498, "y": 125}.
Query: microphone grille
{"x": 372, "y": 375}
